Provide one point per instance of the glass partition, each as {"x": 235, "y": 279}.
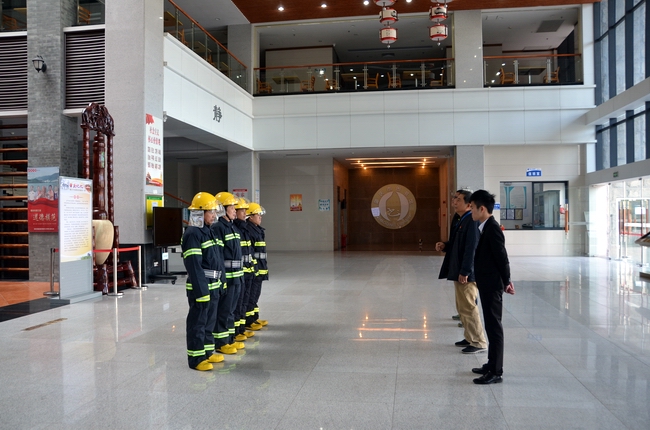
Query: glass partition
{"x": 533, "y": 205}
{"x": 14, "y": 15}
{"x": 180, "y": 25}
{"x": 413, "y": 74}
{"x": 532, "y": 70}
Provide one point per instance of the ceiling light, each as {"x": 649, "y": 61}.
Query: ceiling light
{"x": 366, "y": 2}
{"x": 323, "y": 5}
{"x": 280, "y": 8}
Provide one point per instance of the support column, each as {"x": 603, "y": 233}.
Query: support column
{"x": 52, "y": 137}
{"x": 468, "y": 48}
{"x": 470, "y": 168}
{"x": 134, "y": 87}
{"x": 240, "y": 44}
{"x": 244, "y": 173}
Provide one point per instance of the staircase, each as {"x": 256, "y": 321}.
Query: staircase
{"x": 14, "y": 237}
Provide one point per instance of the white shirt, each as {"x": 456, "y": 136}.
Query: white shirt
{"x": 481, "y": 225}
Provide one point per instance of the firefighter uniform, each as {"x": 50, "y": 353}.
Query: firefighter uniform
{"x": 261, "y": 268}
{"x": 205, "y": 276}
{"x": 249, "y": 272}
{"x": 229, "y": 238}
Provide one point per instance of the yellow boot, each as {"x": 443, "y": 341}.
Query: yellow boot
{"x": 249, "y": 333}
{"x": 240, "y": 337}
{"x": 215, "y": 358}
{"x": 254, "y": 326}
{"x": 227, "y": 349}
{"x": 204, "y": 365}
{"x": 262, "y": 322}
{"x": 238, "y": 345}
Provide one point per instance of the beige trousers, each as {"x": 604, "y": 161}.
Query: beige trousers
{"x": 469, "y": 313}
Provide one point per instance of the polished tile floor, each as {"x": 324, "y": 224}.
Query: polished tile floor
{"x": 356, "y": 340}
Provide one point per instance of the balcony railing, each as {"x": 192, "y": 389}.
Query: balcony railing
{"x": 367, "y": 76}
{"x": 542, "y": 69}
{"x": 180, "y": 25}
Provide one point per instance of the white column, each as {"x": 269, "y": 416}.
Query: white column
{"x": 467, "y": 29}
{"x": 470, "y": 169}
{"x": 244, "y": 173}
{"x": 134, "y": 87}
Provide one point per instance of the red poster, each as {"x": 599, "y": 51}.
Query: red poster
{"x": 43, "y": 199}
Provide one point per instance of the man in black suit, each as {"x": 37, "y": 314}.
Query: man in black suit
{"x": 492, "y": 271}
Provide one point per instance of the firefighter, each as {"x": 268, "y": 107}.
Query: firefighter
{"x": 229, "y": 239}
{"x": 255, "y": 212}
{"x": 249, "y": 270}
{"x": 205, "y": 278}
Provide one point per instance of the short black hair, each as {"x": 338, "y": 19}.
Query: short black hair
{"x": 466, "y": 195}
{"x": 483, "y": 198}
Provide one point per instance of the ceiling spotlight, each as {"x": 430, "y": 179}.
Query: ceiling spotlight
{"x": 280, "y": 8}
{"x": 323, "y": 5}
{"x": 366, "y": 2}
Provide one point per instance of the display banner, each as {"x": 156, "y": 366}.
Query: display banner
{"x": 154, "y": 155}
{"x": 43, "y": 199}
{"x": 76, "y": 239}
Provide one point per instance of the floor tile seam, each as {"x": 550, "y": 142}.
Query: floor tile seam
{"x": 295, "y": 396}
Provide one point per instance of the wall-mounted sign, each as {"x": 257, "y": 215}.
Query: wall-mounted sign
{"x": 154, "y": 155}
{"x": 43, "y": 199}
{"x": 533, "y": 172}
{"x": 324, "y": 205}
{"x": 240, "y": 192}
{"x": 217, "y": 113}
{"x": 393, "y": 206}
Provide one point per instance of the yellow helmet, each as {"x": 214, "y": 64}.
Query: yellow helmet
{"x": 242, "y": 203}
{"x": 254, "y": 208}
{"x": 203, "y": 201}
{"x": 226, "y": 199}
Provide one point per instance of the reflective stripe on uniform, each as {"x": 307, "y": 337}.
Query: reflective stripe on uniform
{"x": 203, "y": 299}
{"x": 192, "y": 251}
{"x": 260, "y": 243}
{"x": 197, "y": 353}
{"x": 222, "y": 335}
{"x": 250, "y": 313}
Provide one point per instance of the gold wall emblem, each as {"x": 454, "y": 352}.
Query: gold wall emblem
{"x": 393, "y": 206}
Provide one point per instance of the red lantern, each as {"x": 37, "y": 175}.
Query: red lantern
{"x": 387, "y": 16}
{"x": 438, "y": 13}
{"x": 388, "y": 35}
{"x": 384, "y": 3}
{"x": 438, "y": 32}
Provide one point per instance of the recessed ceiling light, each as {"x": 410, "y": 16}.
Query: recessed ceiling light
{"x": 280, "y": 8}
{"x": 366, "y": 2}
{"x": 323, "y": 5}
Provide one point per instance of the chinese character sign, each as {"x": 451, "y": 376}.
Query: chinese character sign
{"x": 43, "y": 199}
{"x": 76, "y": 237}
{"x": 154, "y": 155}
{"x": 240, "y": 192}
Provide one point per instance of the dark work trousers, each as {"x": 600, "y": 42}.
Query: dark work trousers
{"x": 235, "y": 287}
{"x": 492, "y": 304}
{"x": 244, "y": 296}
{"x": 252, "y": 309}
{"x": 200, "y": 320}
{"x": 221, "y": 334}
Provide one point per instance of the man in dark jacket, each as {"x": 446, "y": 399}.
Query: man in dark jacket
{"x": 492, "y": 270}
{"x": 460, "y": 270}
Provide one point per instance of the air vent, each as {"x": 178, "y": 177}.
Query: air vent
{"x": 550, "y": 26}
{"x": 13, "y": 69}
{"x": 85, "y": 68}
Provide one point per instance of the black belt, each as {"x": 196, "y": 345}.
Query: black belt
{"x": 232, "y": 264}
{"x": 261, "y": 255}
{"x": 212, "y": 274}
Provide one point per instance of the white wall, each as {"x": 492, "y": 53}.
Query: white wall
{"x": 193, "y": 88}
{"x": 311, "y": 229}
{"x": 558, "y": 163}
{"x": 482, "y": 116}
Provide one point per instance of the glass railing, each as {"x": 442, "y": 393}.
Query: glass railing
{"x": 180, "y": 25}
{"x": 91, "y": 12}
{"x": 14, "y": 18}
{"x": 369, "y": 76}
{"x": 532, "y": 70}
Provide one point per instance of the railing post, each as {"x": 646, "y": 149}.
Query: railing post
{"x": 423, "y": 69}
{"x": 337, "y": 72}
{"x": 516, "y": 63}
{"x": 365, "y": 76}
{"x": 548, "y": 70}
{"x": 140, "y": 286}
{"x": 51, "y": 292}
{"x": 115, "y": 293}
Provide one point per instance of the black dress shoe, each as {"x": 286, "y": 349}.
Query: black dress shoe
{"x": 462, "y": 343}
{"x": 488, "y": 378}
{"x": 481, "y": 370}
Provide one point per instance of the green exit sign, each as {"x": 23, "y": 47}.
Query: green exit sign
{"x": 616, "y": 174}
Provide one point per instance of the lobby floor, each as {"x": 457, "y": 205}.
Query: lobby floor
{"x": 356, "y": 340}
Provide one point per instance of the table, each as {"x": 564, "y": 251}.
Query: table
{"x": 282, "y": 80}
{"x": 530, "y": 71}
